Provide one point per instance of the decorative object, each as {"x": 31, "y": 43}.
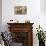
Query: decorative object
{"x": 19, "y": 10}
{"x": 7, "y": 38}
{"x": 1, "y": 40}
{"x": 13, "y": 21}
{"x": 45, "y": 34}
{"x": 27, "y": 21}
{"x": 41, "y": 36}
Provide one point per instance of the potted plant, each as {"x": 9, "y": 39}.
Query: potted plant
{"x": 41, "y": 36}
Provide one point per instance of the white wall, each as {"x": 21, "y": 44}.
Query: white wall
{"x": 33, "y": 10}
{"x": 43, "y": 6}
{"x": 0, "y": 15}
{"x": 43, "y": 14}
{"x": 34, "y": 14}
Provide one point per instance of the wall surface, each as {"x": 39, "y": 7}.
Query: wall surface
{"x": 43, "y": 6}
{"x": 34, "y": 14}
{"x": 0, "y": 15}
{"x": 33, "y": 11}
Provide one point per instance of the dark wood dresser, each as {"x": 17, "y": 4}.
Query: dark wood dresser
{"x": 22, "y": 33}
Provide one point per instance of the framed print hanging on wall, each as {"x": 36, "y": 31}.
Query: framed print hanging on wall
{"x": 19, "y": 10}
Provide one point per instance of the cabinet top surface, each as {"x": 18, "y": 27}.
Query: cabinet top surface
{"x": 19, "y": 23}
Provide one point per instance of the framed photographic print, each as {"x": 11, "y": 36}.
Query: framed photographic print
{"x": 19, "y": 10}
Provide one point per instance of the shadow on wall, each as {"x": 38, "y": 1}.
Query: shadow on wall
{"x": 0, "y": 15}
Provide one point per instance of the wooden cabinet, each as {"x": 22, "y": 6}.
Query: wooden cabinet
{"x": 22, "y": 33}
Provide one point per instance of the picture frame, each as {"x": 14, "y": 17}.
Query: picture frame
{"x": 20, "y": 10}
